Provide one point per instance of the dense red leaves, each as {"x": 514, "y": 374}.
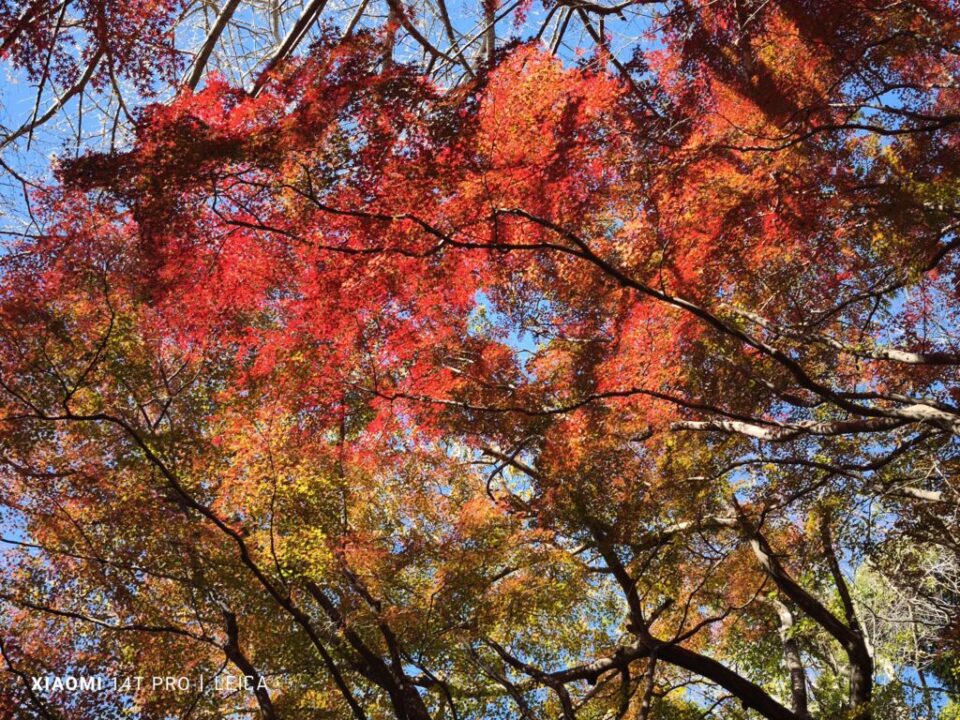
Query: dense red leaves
{"x": 336, "y": 230}
{"x": 327, "y": 303}
{"x": 129, "y": 40}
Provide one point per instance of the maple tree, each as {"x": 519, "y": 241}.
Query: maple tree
{"x": 597, "y": 388}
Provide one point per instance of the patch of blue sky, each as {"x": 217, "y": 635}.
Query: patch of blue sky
{"x": 486, "y": 318}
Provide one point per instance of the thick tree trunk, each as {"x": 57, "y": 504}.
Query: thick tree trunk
{"x": 749, "y": 694}
{"x": 408, "y": 705}
{"x": 861, "y": 682}
{"x": 861, "y": 661}
{"x": 794, "y": 662}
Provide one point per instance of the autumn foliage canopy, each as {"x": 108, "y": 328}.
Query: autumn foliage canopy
{"x": 586, "y": 388}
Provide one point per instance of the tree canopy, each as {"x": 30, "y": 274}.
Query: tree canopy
{"x": 421, "y": 379}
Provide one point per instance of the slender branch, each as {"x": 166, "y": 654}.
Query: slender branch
{"x": 213, "y": 37}
{"x": 58, "y": 104}
{"x": 290, "y": 42}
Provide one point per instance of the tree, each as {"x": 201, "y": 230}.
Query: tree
{"x": 606, "y": 388}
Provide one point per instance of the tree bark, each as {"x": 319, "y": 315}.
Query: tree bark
{"x": 793, "y": 660}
